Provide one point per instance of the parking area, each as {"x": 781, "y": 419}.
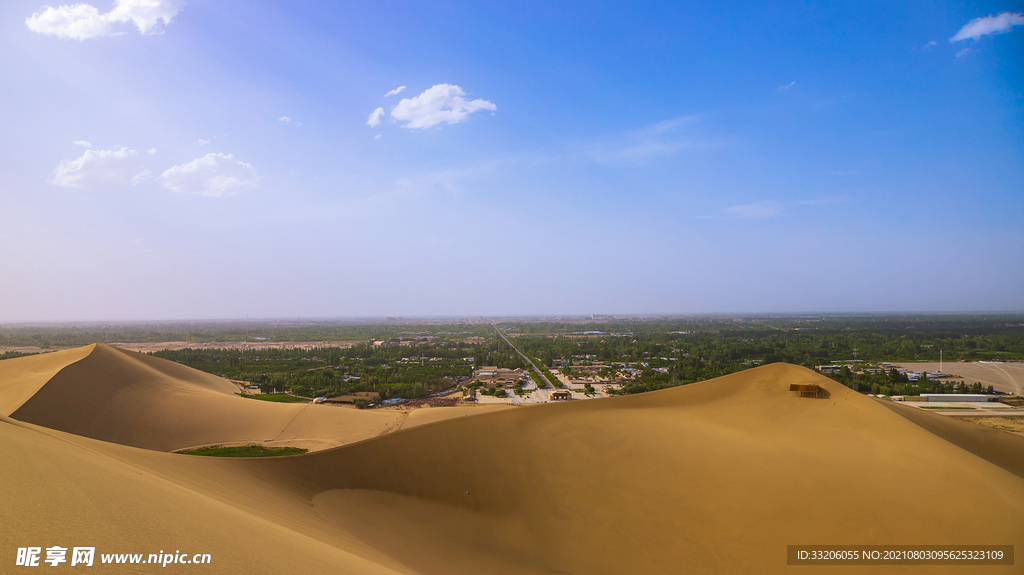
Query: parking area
{"x": 967, "y": 409}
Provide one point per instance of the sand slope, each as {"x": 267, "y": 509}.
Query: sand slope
{"x": 22, "y": 377}
{"x": 715, "y": 477}
{"x": 71, "y": 491}
{"x": 144, "y": 401}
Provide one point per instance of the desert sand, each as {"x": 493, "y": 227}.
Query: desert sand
{"x": 713, "y": 477}
{"x": 1010, "y": 424}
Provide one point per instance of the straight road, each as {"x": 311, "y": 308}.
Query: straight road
{"x": 536, "y": 369}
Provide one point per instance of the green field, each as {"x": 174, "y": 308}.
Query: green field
{"x": 244, "y": 451}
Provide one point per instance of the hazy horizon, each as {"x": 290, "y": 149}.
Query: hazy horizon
{"x": 170, "y": 160}
{"x": 548, "y": 318}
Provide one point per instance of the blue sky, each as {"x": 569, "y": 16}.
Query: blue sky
{"x": 163, "y": 159}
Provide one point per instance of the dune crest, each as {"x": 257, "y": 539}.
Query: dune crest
{"x": 22, "y": 377}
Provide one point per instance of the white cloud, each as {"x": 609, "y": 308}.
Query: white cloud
{"x": 83, "y": 21}
{"x": 440, "y": 103}
{"x": 988, "y": 25}
{"x": 151, "y": 151}
{"x": 83, "y": 143}
{"x": 98, "y": 169}
{"x": 787, "y": 86}
{"x": 394, "y": 92}
{"x": 377, "y": 137}
{"x": 930, "y": 44}
{"x": 284, "y": 119}
{"x": 79, "y": 21}
{"x": 375, "y": 117}
{"x": 215, "y": 175}
{"x": 753, "y": 211}
{"x": 146, "y": 13}
{"x": 965, "y": 52}
{"x": 203, "y": 142}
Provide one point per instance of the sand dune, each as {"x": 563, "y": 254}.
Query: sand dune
{"x": 714, "y": 477}
{"x": 144, "y": 401}
{"x": 717, "y": 476}
{"x": 20, "y": 379}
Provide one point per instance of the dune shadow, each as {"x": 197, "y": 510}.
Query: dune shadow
{"x": 822, "y": 393}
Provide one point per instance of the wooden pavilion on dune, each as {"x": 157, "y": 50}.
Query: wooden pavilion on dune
{"x": 810, "y": 390}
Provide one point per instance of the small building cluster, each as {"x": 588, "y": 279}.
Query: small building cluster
{"x": 499, "y": 375}
{"x": 860, "y": 368}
